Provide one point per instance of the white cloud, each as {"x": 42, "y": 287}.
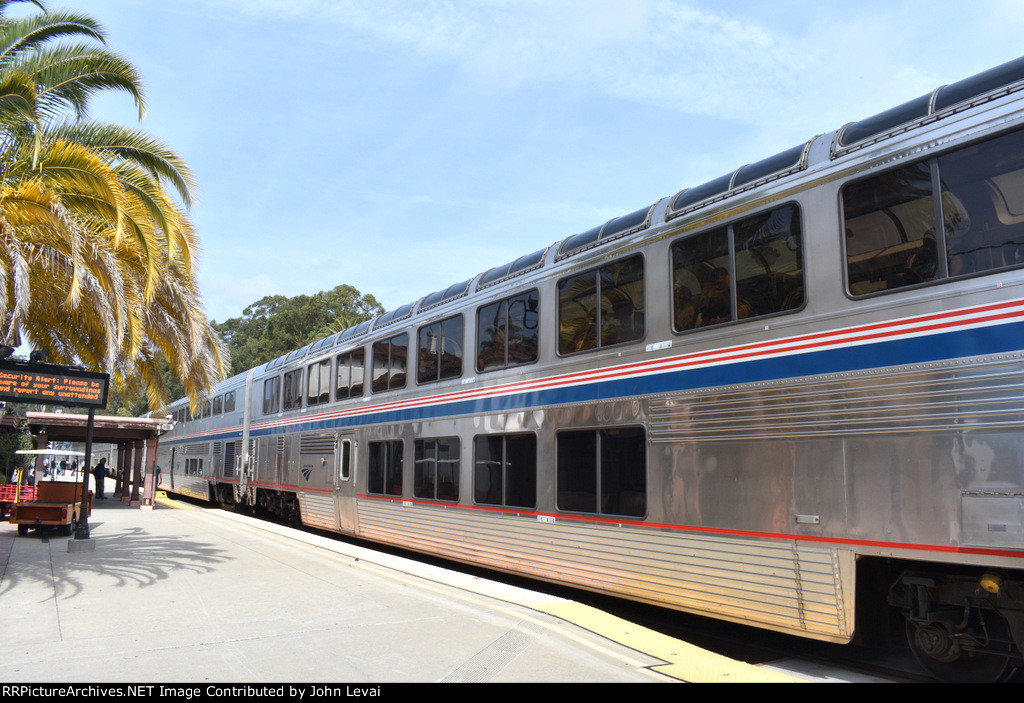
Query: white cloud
{"x": 741, "y": 61}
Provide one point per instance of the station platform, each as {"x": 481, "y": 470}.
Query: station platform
{"x": 180, "y": 594}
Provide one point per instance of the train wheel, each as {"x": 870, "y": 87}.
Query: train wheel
{"x": 967, "y": 656}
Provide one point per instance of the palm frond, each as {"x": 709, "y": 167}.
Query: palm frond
{"x": 97, "y": 255}
{"x": 69, "y": 75}
{"x": 23, "y": 35}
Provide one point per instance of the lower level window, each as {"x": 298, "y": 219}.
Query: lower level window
{"x": 603, "y": 471}
{"x": 385, "y": 474}
{"x": 505, "y": 470}
{"x": 436, "y": 476}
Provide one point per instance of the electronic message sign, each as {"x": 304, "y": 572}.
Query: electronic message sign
{"x": 51, "y": 384}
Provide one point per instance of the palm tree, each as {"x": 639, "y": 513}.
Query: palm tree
{"x": 96, "y": 256}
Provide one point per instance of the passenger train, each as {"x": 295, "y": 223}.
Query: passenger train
{"x": 791, "y": 397}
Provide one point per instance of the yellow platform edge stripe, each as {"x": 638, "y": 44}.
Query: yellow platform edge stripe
{"x": 684, "y": 661}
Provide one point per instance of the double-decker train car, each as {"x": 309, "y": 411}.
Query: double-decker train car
{"x": 791, "y": 397}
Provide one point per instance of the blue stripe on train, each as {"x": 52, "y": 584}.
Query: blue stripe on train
{"x": 995, "y": 339}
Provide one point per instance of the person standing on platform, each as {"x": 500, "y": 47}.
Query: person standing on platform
{"x": 98, "y": 473}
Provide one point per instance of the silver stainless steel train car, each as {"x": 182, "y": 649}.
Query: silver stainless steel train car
{"x": 792, "y": 397}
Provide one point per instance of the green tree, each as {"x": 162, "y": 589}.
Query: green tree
{"x": 96, "y": 245}
{"x": 276, "y": 325}
{"x": 13, "y": 436}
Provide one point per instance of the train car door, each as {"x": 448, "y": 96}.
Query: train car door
{"x": 344, "y": 482}
{"x": 317, "y": 479}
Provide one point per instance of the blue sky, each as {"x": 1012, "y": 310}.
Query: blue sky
{"x": 401, "y": 146}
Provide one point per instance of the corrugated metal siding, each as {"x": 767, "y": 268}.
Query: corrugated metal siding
{"x": 317, "y": 510}
{"x": 783, "y": 585}
{"x": 931, "y": 398}
{"x": 195, "y": 486}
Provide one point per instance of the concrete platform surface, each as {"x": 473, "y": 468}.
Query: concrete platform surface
{"x": 181, "y": 594}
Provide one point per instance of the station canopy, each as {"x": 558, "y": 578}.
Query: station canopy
{"x": 107, "y": 429}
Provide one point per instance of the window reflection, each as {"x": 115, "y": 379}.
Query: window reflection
{"x": 892, "y": 240}
{"x": 602, "y": 307}
{"x": 748, "y": 269}
{"x": 440, "y": 350}
{"x": 507, "y": 332}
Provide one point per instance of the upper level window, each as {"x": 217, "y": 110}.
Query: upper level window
{"x": 436, "y": 473}
{"x": 601, "y": 307}
{"x": 318, "y": 382}
{"x": 389, "y": 363}
{"x": 440, "y": 350}
{"x": 349, "y": 382}
{"x": 750, "y": 268}
{"x": 891, "y": 220}
{"x": 229, "y": 401}
{"x": 507, "y": 332}
{"x": 271, "y": 395}
{"x": 890, "y": 230}
{"x": 218, "y": 405}
{"x": 291, "y": 390}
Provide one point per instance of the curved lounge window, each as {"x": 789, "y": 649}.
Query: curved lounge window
{"x": 353, "y": 332}
{"x": 579, "y": 241}
{"x": 322, "y": 344}
{"x": 443, "y": 296}
{"x": 297, "y": 354}
{"x": 520, "y": 265}
{"x": 632, "y": 222}
{"x": 693, "y": 196}
{"x": 495, "y": 274}
{"x": 393, "y": 316}
{"x": 782, "y": 161}
{"x": 885, "y": 121}
{"x": 984, "y": 82}
{"x": 525, "y": 263}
